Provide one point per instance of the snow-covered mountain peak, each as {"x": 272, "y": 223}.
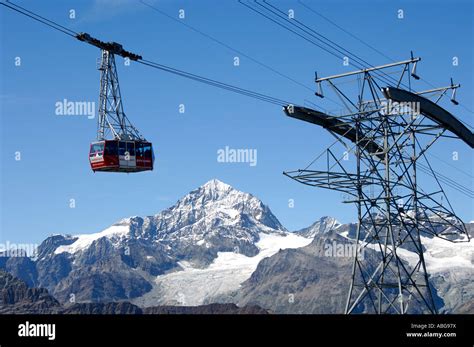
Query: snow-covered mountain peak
{"x": 322, "y": 226}
{"x": 212, "y": 191}
{"x": 215, "y": 204}
{"x": 212, "y": 218}
{"x": 216, "y": 185}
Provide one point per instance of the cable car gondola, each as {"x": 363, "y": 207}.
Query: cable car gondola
{"x": 121, "y": 156}
{"x": 119, "y": 146}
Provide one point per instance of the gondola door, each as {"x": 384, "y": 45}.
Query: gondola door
{"x": 127, "y": 156}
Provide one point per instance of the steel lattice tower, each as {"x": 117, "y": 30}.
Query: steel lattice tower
{"x": 388, "y": 130}
{"x": 112, "y": 121}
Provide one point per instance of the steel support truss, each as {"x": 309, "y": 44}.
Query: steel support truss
{"x": 112, "y": 121}
{"x": 386, "y": 150}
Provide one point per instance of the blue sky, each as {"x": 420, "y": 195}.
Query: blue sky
{"x": 54, "y": 168}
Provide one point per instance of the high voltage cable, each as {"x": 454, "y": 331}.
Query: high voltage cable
{"x": 215, "y": 83}
{"x": 344, "y": 30}
{"x": 450, "y": 183}
{"x": 227, "y": 46}
{"x": 331, "y": 43}
{"x": 182, "y": 73}
{"x": 335, "y": 47}
{"x": 40, "y": 19}
{"x": 278, "y": 23}
{"x": 201, "y": 79}
{"x": 311, "y": 37}
{"x": 223, "y": 44}
{"x": 375, "y": 50}
{"x": 453, "y": 166}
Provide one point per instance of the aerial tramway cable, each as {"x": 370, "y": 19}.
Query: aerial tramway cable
{"x": 39, "y": 18}
{"x": 162, "y": 67}
{"x": 218, "y": 84}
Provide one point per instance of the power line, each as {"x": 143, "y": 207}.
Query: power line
{"x": 223, "y": 44}
{"x": 376, "y": 50}
{"x": 331, "y": 43}
{"x": 447, "y": 181}
{"x": 386, "y": 78}
{"x": 451, "y": 165}
{"x": 316, "y": 36}
{"x": 201, "y": 79}
{"x": 227, "y": 46}
{"x": 451, "y": 183}
{"x": 296, "y": 33}
{"x": 40, "y": 19}
{"x": 344, "y": 30}
{"x": 215, "y": 83}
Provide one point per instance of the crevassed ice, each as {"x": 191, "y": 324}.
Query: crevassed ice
{"x": 192, "y": 286}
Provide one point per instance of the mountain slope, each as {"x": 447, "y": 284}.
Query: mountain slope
{"x": 213, "y": 218}
{"x": 16, "y": 297}
{"x": 218, "y": 244}
{"x": 301, "y": 280}
{"x": 305, "y": 280}
{"x": 123, "y": 261}
{"x": 322, "y": 226}
{"x": 220, "y": 280}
